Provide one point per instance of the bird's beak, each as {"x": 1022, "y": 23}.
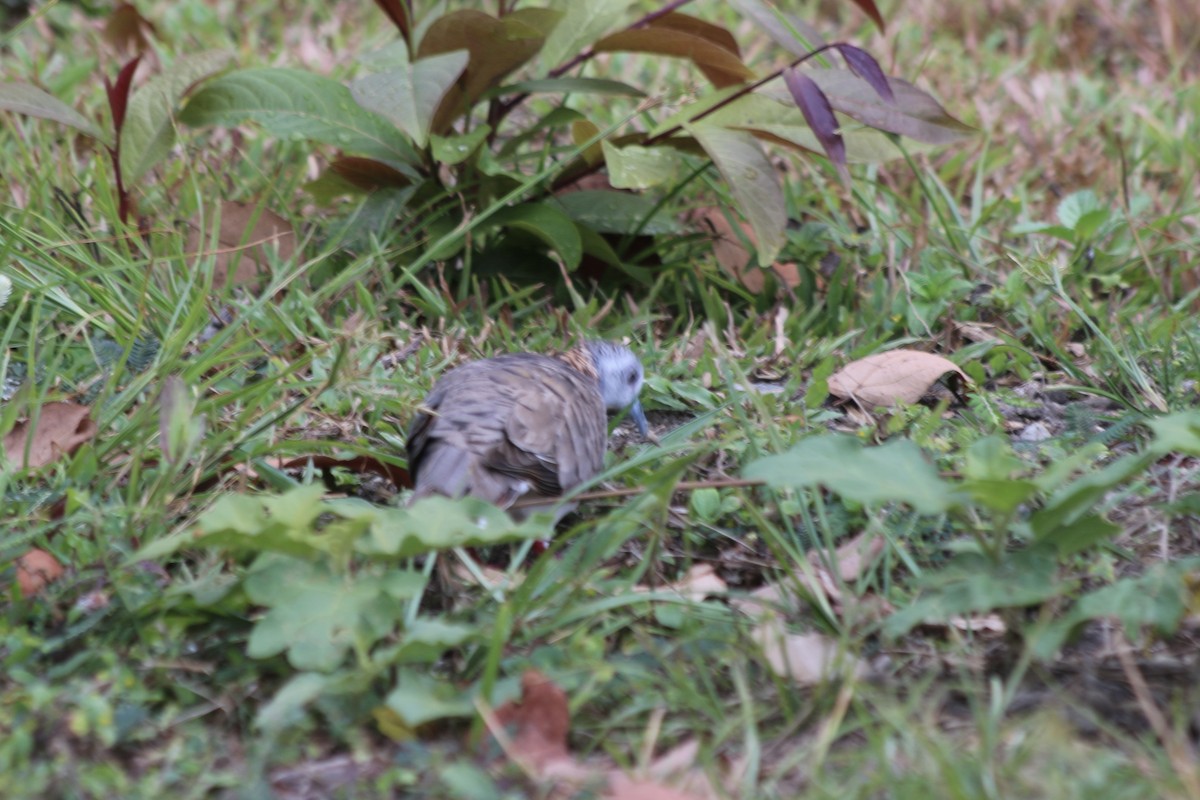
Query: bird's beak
{"x": 639, "y": 418}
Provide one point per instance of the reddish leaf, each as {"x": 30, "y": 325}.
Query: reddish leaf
{"x": 868, "y": 7}
{"x": 118, "y": 93}
{"x": 126, "y": 29}
{"x": 539, "y": 722}
{"x": 864, "y": 65}
{"x": 399, "y": 13}
{"x": 813, "y": 103}
{"x": 368, "y": 174}
{"x": 721, "y": 66}
{"x": 35, "y": 569}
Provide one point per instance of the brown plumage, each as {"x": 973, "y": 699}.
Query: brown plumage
{"x": 521, "y": 424}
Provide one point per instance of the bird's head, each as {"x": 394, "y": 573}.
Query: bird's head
{"x": 620, "y": 377}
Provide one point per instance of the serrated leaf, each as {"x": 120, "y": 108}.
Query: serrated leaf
{"x": 149, "y": 130}
{"x": 409, "y": 95}
{"x": 753, "y": 183}
{"x": 296, "y": 104}
{"x": 1072, "y": 207}
{"x": 439, "y": 523}
{"x": 636, "y": 167}
{"x": 893, "y": 472}
{"x": 315, "y": 615}
{"x": 33, "y": 102}
{"x": 973, "y": 583}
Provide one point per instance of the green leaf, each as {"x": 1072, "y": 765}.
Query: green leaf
{"x": 608, "y": 211}
{"x": 296, "y": 104}
{"x": 1072, "y": 209}
{"x": 267, "y": 523}
{"x": 33, "y": 102}
{"x": 1073, "y": 501}
{"x": 409, "y": 95}
{"x": 287, "y": 707}
{"x": 545, "y": 222}
{"x": 753, "y": 182}
{"x": 1080, "y": 535}
{"x": 973, "y": 583}
{"x": 453, "y": 150}
{"x": 897, "y": 471}
{"x": 149, "y": 131}
{"x": 1000, "y": 495}
{"x": 420, "y": 698}
{"x": 439, "y": 523}
{"x": 580, "y": 26}
{"x": 1176, "y": 433}
{"x": 314, "y": 614}
{"x": 636, "y": 167}
{"x": 426, "y": 640}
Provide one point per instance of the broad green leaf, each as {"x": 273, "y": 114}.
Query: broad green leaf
{"x": 427, "y": 640}
{"x": 1080, "y": 535}
{"x": 296, "y": 104}
{"x": 973, "y": 583}
{"x": 893, "y": 472}
{"x": 409, "y": 95}
{"x": 1072, "y": 208}
{"x": 266, "y": 523}
{"x": 453, "y": 150}
{"x": 439, "y": 523}
{"x": 287, "y": 707}
{"x": 420, "y": 698}
{"x": 149, "y": 131}
{"x": 32, "y": 101}
{"x": 753, "y": 182}
{"x": 999, "y": 494}
{"x": 1178, "y": 433}
{"x": 991, "y": 458}
{"x": 315, "y": 615}
{"x": 607, "y": 211}
{"x": 562, "y": 86}
{"x": 545, "y": 222}
{"x": 635, "y": 167}
{"x": 580, "y": 25}
{"x": 1076, "y": 499}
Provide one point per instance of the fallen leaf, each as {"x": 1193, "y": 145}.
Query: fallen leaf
{"x": 241, "y": 249}
{"x": 700, "y": 582}
{"x": 805, "y": 658}
{"x": 35, "y": 570}
{"x": 852, "y": 556}
{"x": 988, "y": 623}
{"x": 885, "y": 379}
{"x": 732, "y": 255}
{"x": 541, "y": 720}
{"x": 59, "y": 429}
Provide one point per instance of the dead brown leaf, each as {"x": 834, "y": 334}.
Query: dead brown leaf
{"x": 59, "y": 430}
{"x": 805, "y": 658}
{"x": 700, "y": 582}
{"x": 538, "y": 725}
{"x": 732, "y": 255}
{"x": 246, "y": 235}
{"x": 35, "y": 570}
{"x": 897, "y": 376}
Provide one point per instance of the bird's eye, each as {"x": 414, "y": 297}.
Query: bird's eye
{"x": 632, "y": 378}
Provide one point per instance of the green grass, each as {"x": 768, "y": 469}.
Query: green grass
{"x": 145, "y": 669}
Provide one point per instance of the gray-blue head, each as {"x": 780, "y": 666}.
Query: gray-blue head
{"x": 621, "y": 378}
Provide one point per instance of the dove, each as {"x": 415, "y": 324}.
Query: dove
{"x": 523, "y": 425}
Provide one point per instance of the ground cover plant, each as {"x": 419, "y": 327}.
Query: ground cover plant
{"x": 921, "y": 358}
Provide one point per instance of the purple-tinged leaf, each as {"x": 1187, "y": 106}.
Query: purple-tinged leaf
{"x": 399, "y": 13}
{"x": 864, "y": 65}
{"x": 814, "y": 105}
{"x": 118, "y": 92}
